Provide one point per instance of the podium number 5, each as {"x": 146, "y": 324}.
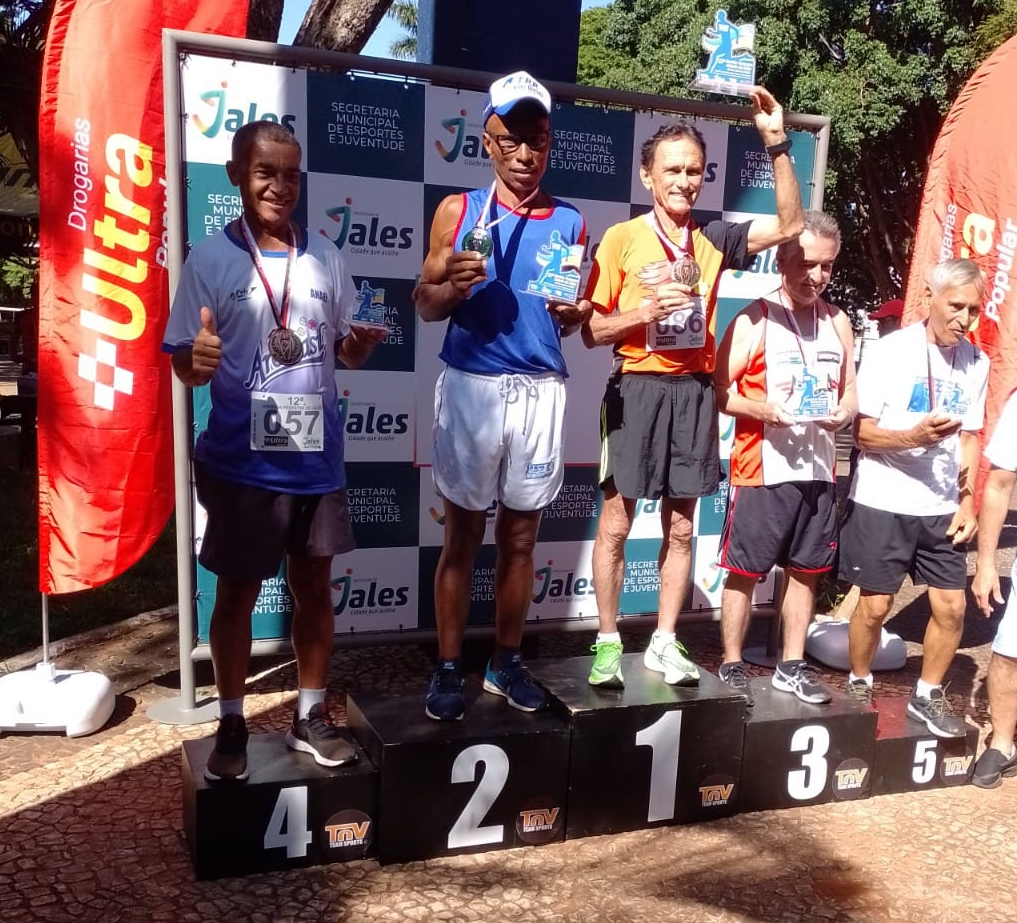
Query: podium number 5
{"x": 813, "y": 742}
{"x": 663, "y": 737}
{"x": 466, "y": 831}
{"x": 924, "y": 767}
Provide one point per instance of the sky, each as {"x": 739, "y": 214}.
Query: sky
{"x": 378, "y": 44}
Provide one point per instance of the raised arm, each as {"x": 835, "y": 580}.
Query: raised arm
{"x": 771, "y": 230}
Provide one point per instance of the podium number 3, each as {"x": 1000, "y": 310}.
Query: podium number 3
{"x": 287, "y": 827}
{"x": 466, "y": 831}
{"x": 813, "y": 742}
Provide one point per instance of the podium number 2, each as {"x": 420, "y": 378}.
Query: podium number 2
{"x": 813, "y": 742}
{"x": 663, "y": 737}
{"x": 466, "y": 831}
{"x": 287, "y": 827}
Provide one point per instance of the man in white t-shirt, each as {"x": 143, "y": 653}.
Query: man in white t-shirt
{"x": 921, "y": 402}
{"x": 1000, "y": 757}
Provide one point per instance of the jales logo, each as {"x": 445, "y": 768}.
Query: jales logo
{"x": 559, "y": 587}
{"x": 467, "y": 145}
{"x": 365, "y": 420}
{"x": 232, "y": 119}
{"x": 367, "y": 594}
{"x": 373, "y": 235}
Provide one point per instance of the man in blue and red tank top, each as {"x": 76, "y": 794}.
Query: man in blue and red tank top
{"x": 785, "y": 371}
{"x": 500, "y": 401}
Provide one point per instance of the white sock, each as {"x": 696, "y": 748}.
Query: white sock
{"x": 307, "y": 699}
{"x": 865, "y": 679}
{"x": 924, "y": 690}
{"x": 608, "y": 636}
{"x": 231, "y": 707}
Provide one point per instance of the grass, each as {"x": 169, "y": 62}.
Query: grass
{"x": 149, "y": 584}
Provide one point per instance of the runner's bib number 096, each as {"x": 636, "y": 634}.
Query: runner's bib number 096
{"x": 286, "y": 422}
{"x": 682, "y": 329}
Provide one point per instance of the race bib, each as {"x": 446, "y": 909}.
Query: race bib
{"x": 286, "y": 422}
{"x": 682, "y": 329}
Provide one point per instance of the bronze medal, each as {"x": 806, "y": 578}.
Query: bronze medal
{"x": 686, "y": 271}
{"x": 285, "y": 346}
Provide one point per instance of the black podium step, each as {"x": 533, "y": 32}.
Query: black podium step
{"x": 290, "y": 813}
{"x": 797, "y": 753}
{"x": 494, "y": 780}
{"x": 649, "y": 754}
{"x": 910, "y": 758}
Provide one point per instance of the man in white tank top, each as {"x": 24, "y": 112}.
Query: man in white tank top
{"x": 785, "y": 372}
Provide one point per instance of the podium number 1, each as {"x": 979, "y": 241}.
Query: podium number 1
{"x": 466, "y": 831}
{"x": 663, "y": 737}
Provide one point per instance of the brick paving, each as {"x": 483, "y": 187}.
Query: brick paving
{"x": 91, "y": 828}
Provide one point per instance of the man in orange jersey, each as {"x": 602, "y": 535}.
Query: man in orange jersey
{"x": 654, "y": 293}
{"x": 785, "y": 372}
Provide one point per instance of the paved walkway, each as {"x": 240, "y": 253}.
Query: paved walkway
{"x": 91, "y": 829}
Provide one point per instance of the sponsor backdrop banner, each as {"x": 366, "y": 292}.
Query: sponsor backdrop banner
{"x": 105, "y": 433}
{"x": 969, "y": 209}
{"x": 380, "y": 154}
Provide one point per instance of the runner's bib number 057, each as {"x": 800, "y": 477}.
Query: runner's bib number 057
{"x": 286, "y": 422}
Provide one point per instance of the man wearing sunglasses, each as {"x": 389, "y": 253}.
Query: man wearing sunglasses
{"x": 500, "y": 402}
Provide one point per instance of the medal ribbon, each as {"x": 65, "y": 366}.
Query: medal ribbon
{"x": 485, "y": 225}
{"x": 684, "y": 248}
{"x": 799, "y": 339}
{"x": 282, "y": 319}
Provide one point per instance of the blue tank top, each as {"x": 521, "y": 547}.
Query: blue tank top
{"x": 500, "y": 328}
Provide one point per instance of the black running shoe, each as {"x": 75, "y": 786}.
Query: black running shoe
{"x": 446, "y": 699}
{"x": 936, "y": 714}
{"x": 992, "y": 766}
{"x": 801, "y": 679}
{"x": 228, "y": 759}
{"x": 318, "y": 735}
{"x": 736, "y": 676}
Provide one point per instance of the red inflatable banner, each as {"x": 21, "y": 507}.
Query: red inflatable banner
{"x": 969, "y": 209}
{"x": 105, "y": 432}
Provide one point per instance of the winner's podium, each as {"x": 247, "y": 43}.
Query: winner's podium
{"x": 497, "y": 778}
{"x": 290, "y": 812}
{"x": 797, "y": 754}
{"x": 909, "y": 758}
{"x": 648, "y": 754}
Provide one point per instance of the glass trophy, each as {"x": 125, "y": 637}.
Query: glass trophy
{"x": 731, "y": 68}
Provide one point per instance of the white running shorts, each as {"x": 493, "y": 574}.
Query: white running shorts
{"x": 499, "y": 437}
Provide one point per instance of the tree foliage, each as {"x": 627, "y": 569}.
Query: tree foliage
{"x": 884, "y": 71}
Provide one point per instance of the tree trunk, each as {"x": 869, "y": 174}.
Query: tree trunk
{"x": 340, "y": 25}
{"x": 263, "y": 20}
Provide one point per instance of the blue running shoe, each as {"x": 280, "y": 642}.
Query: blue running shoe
{"x": 513, "y": 681}
{"x": 445, "y": 699}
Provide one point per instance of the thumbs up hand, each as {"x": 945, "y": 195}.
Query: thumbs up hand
{"x": 206, "y": 353}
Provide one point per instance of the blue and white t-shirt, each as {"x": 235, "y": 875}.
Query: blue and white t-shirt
{"x": 271, "y": 425}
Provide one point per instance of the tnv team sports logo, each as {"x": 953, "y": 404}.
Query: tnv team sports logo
{"x": 232, "y": 119}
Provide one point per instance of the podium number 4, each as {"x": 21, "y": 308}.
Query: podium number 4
{"x": 466, "y": 831}
{"x": 287, "y": 827}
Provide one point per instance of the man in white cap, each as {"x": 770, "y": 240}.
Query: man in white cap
{"x": 500, "y": 402}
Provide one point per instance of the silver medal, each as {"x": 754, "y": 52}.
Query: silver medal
{"x": 479, "y": 241}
